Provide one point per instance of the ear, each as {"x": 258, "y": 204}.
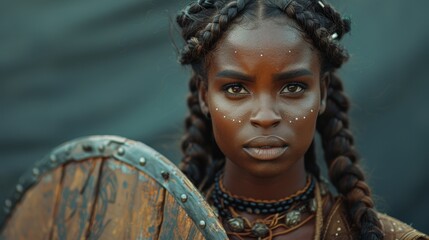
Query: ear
{"x": 324, "y": 84}
{"x": 202, "y": 97}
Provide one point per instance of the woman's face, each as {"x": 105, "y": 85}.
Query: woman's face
{"x": 264, "y": 94}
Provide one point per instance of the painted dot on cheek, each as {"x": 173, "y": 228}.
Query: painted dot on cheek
{"x": 262, "y": 55}
{"x": 304, "y": 117}
{"x": 217, "y": 109}
{"x": 311, "y": 110}
{"x": 296, "y": 118}
{"x": 224, "y": 116}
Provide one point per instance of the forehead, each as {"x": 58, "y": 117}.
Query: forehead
{"x": 277, "y": 41}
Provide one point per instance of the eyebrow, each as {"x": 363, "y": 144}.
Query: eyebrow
{"x": 292, "y": 74}
{"x": 234, "y": 74}
{"x": 280, "y": 76}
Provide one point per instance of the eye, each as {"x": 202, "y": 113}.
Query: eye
{"x": 294, "y": 88}
{"x": 235, "y": 89}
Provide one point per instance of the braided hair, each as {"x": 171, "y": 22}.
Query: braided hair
{"x": 204, "y": 22}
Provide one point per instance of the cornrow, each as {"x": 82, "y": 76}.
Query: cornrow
{"x": 212, "y": 32}
{"x": 320, "y": 36}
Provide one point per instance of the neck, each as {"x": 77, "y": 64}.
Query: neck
{"x": 243, "y": 183}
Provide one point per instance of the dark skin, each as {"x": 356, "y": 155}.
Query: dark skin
{"x": 264, "y": 79}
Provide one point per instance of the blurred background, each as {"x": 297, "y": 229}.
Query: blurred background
{"x": 76, "y": 68}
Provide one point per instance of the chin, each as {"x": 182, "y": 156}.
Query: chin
{"x": 268, "y": 169}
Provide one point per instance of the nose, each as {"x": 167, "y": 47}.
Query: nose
{"x": 265, "y": 114}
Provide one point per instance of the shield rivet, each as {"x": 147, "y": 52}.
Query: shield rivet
{"x": 183, "y": 197}
{"x": 36, "y": 172}
{"x": 165, "y": 175}
{"x": 53, "y": 158}
{"x": 19, "y": 188}
{"x": 86, "y": 147}
{"x": 8, "y": 203}
{"x": 142, "y": 161}
{"x": 202, "y": 224}
{"x": 101, "y": 148}
{"x": 121, "y": 151}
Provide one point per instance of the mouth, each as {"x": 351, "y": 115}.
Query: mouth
{"x": 265, "y": 147}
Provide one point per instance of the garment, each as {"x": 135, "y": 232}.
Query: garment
{"x": 337, "y": 227}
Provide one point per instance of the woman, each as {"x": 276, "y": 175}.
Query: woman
{"x": 263, "y": 84}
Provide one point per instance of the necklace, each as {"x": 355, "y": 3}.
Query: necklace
{"x": 280, "y": 216}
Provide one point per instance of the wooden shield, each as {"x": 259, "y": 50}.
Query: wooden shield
{"x": 106, "y": 187}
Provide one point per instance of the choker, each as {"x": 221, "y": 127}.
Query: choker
{"x": 288, "y": 213}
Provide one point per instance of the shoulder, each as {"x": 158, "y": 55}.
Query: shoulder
{"x": 395, "y": 229}
{"x": 336, "y": 226}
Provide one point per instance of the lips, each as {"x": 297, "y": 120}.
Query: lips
{"x": 265, "y": 147}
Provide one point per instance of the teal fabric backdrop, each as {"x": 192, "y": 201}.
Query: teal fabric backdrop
{"x": 75, "y": 68}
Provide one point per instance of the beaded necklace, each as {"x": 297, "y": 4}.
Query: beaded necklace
{"x": 287, "y": 214}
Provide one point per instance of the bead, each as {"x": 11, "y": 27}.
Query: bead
{"x": 142, "y": 161}
{"x": 260, "y": 230}
{"x": 183, "y": 197}
{"x": 313, "y": 205}
{"x": 293, "y": 218}
{"x": 236, "y": 224}
{"x": 257, "y": 211}
{"x": 338, "y": 229}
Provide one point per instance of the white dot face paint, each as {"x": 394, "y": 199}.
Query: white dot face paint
{"x": 233, "y": 119}
{"x": 298, "y": 118}
{"x": 290, "y": 119}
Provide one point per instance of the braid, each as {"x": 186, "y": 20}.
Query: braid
{"x": 342, "y": 160}
{"x": 194, "y": 146}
